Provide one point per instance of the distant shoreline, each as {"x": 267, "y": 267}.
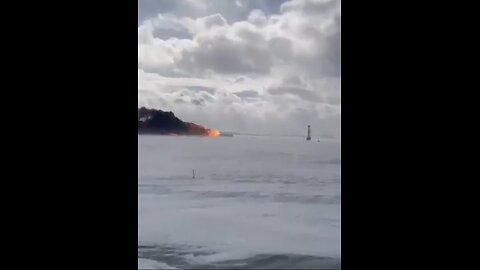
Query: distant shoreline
{"x": 244, "y": 135}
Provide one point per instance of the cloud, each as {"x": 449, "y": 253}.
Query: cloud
{"x": 260, "y": 63}
{"x": 310, "y": 7}
{"x": 257, "y": 17}
{"x": 304, "y": 94}
{"x": 247, "y": 94}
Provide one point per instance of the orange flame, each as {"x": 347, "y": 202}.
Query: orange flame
{"x": 194, "y": 129}
{"x": 213, "y": 133}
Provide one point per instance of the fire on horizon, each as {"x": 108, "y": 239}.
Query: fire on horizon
{"x": 151, "y": 121}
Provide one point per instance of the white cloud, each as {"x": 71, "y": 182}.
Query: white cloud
{"x": 289, "y": 64}
{"x": 257, "y": 17}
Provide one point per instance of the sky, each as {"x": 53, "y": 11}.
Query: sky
{"x": 252, "y": 66}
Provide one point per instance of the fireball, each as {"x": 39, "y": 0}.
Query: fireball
{"x": 213, "y": 133}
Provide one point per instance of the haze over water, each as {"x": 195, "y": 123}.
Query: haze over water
{"x": 255, "y": 202}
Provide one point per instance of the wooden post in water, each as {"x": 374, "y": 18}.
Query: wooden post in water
{"x": 193, "y": 174}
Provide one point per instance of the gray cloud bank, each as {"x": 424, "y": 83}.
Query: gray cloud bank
{"x": 251, "y": 66}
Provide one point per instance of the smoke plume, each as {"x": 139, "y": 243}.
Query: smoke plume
{"x": 151, "y": 121}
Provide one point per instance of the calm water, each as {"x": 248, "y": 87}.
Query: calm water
{"x": 256, "y": 202}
